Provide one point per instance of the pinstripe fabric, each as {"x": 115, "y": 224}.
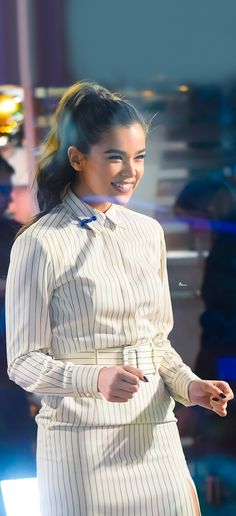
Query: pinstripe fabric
{"x": 101, "y": 287}
{"x": 127, "y": 470}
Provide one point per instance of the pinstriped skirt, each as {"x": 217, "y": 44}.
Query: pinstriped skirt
{"x": 128, "y": 470}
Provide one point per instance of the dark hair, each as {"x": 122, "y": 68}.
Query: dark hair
{"x": 85, "y": 112}
{"x": 6, "y": 167}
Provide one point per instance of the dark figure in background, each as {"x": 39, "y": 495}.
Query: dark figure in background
{"x": 210, "y": 204}
{"x": 17, "y": 427}
{"x": 8, "y": 230}
{"x": 215, "y": 201}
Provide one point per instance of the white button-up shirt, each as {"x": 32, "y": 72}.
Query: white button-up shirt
{"x": 83, "y": 283}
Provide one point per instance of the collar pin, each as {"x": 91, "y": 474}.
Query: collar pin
{"x": 84, "y": 222}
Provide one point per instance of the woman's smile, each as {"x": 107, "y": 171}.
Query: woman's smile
{"x": 123, "y": 187}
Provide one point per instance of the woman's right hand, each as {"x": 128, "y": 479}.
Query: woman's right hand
{"x": 119, "y": 383}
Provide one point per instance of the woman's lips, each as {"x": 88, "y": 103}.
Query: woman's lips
{"x": 123, "y": 187}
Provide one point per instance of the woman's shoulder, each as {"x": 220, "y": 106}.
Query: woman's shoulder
{"x": 128, "y": 215}
{"x": 46, "y": 227}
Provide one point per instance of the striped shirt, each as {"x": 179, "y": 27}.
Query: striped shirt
{"x": 84, "y": 283}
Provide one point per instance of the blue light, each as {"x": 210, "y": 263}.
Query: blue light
{"x": 226, "y": 368}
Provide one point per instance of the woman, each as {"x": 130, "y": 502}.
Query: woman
{"x": 88, "y": 331}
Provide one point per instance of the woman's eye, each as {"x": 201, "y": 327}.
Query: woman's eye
{"x": 140, "y": 156}
{"x": 115, "y": 158}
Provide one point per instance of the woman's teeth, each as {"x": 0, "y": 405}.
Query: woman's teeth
{"x": 123, "y": 187}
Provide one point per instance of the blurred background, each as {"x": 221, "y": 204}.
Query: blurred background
{"x": 177, "y": 63}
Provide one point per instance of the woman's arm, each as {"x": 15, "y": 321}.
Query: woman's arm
{"x": 183, "y": 385}
{"x": 30, "y": 285}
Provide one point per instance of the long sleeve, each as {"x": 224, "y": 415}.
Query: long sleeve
{"x": 30, "y": 287}
{"x": 176, "y": 375}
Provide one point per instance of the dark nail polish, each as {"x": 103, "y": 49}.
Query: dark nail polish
{"x": 222, "y": 395}
{"x": 215, "y": 399}
{"x": 145, "y": 379}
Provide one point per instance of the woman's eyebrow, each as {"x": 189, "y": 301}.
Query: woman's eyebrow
{"x": 118, "y": 151}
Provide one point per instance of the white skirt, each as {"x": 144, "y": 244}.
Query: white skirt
{"x": 128, "y": 470}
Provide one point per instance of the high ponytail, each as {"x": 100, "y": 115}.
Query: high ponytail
{"x": 54, "y": 174}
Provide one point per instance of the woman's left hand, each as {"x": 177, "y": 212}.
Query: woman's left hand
{"x": 211, "y": 394}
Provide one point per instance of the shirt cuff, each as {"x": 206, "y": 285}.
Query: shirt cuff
{"x": 182, "y": 382}
{"x": 85, "y": 381}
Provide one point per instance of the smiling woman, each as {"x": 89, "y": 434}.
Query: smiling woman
{"x": 90, "y": 123}
{"x": 113, "y": 168}
{"x": 88, "y": 317}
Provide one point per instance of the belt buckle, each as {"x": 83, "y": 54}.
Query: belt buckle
{"x": 128, "y": 360}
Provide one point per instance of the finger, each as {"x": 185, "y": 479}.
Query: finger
{"x": 220, "y": 411}
{"x": 134, "y": 371}
{"x": 217, "y": 388}
{"x": 225, "y": 388}
{"x": 123, "y": 394}
{"x": 219, "y": 406}
{"x": 128, "y": 387}
{"x": 217, "y": 402}
{"x": 131, "y": 374}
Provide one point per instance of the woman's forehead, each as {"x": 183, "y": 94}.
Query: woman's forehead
{"x": 124, "y": 136}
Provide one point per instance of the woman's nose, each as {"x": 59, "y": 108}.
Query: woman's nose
{"x": 129, "y": 169}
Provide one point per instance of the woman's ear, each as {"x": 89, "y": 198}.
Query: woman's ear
{"x": 75, "y": 158}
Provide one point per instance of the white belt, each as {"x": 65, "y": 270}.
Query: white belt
{"x": 141, "y": 357}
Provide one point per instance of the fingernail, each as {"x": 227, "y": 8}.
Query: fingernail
{"x": 222, "y": 395}
{"x": 215, "y": 399}
{"x": 145, "y": 379}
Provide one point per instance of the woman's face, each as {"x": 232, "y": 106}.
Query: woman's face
{"x": 112, "y": 169}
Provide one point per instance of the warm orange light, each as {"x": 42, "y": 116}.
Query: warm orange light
{"x": 184, "y": 88}
{"x": 11, "y": 116}
{"x": 148, "y": 94}
{"x": 9, "y": 128}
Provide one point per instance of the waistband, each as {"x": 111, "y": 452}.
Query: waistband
{"x": 141, "y": 356}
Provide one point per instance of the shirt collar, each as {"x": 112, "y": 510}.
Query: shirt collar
{"x": 84, "y": 211}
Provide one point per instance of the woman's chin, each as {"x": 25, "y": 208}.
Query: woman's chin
{"x": 121, "y": 199}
